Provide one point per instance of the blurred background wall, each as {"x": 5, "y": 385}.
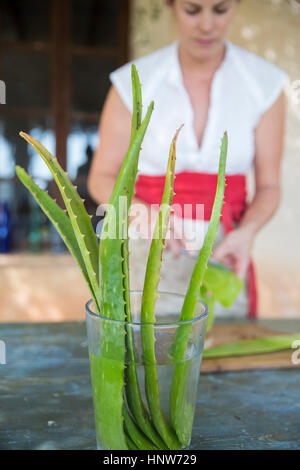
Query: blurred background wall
{"x": 55, "y": 57}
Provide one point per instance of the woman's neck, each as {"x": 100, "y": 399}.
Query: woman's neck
{"x": 206, "y": 67}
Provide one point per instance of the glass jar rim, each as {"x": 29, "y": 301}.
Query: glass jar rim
{"x": 174, "y": 294}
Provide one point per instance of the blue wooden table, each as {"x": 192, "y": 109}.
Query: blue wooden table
{"x": 46, "y": 402}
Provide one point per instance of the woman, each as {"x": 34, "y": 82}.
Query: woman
{"x": 210, "y": 85}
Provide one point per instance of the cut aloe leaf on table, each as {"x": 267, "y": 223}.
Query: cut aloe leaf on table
{"x": 248, "y": 347}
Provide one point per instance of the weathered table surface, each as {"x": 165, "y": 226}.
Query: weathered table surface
{"x": 46, "y": 402}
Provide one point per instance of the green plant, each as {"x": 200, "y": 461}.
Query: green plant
{"x": 221, "y": 285}
{"x": 247, "y": 347}
{"x": 127, "y": 424}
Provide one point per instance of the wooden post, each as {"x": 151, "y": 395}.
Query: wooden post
{"x": 61, "y": 76}
{"x": 123, "y": 32}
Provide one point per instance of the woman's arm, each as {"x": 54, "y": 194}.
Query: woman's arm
{"x": 269, "y": 146}
{"x": 114, "y": 137}
{"x": 236, "y": 247}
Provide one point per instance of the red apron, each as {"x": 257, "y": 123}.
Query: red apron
{"x": 200, "y": 188}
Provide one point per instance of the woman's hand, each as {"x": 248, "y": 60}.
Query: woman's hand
{"x": 235, "y": 250}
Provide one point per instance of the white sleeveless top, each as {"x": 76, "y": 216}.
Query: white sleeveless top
{"x": 243, "y": 88}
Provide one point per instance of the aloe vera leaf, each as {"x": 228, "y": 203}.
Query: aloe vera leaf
{"x": 133, "y": 394}
{"x": 134, "y": 399}
{"x": 137, "y": 102}
{"x": 135, "y": 125}
{"x": 80, "y": 220}
{"x": 149, "y": 297}
{"x": 137, "y": 407}
{"x": 191, "y": 298}
{"x": 113, "y": 299}
{"x": 252, "y": 346}
{"x": 179, "y": 381}
{"x": 107, "y": 385}
{"x": 58, "y": 218}
{"x": 219, "y": 284}
{"x": 197, "y": 277}
{"x": 131, "y": 445}
{"x": 139, "y": 439}
{"x": 224, "y": 284}
{"x": 111, "y": 252}
{"x": 209, "y": 300}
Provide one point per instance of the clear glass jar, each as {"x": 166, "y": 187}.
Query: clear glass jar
{"x": 145, "y": 376}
